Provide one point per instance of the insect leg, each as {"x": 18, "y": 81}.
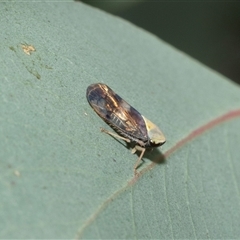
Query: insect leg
{"x": 133, "y": 150}
{"x": 139, "y": 159}
{"x": 114, "y": 135}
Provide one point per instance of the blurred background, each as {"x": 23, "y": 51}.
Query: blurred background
{"x": 207, "y": 31}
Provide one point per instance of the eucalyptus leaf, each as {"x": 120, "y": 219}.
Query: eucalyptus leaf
{"x": 62, "y": 178}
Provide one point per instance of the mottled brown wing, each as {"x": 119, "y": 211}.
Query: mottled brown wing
{"x": 116, "y": 112}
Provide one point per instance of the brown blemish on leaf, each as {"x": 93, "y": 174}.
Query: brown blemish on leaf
{"x": 28, "y": 49}
{"x": 12, "y": 48}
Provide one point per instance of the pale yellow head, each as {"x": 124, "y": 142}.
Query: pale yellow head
{"x": 154, "y": 133}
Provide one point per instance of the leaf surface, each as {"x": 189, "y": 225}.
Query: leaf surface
{"x": 62, "y": 178}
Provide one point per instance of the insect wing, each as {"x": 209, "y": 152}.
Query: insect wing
{"x": 117, "y": 112}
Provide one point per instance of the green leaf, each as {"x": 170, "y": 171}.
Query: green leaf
{"x": 62, "y": 178}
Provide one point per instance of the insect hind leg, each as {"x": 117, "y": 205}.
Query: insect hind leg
{"x": 138, "y": 148}
{"x": 114, "y": 135}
